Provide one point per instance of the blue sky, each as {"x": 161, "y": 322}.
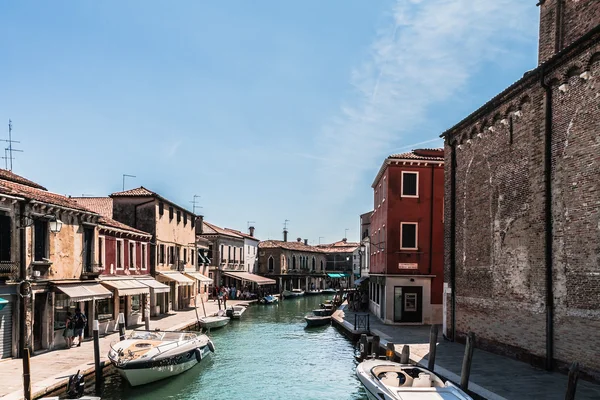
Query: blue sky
{"x": 269, "y": 110}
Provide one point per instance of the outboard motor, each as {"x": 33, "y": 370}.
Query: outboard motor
{"x": 75, "y": 386}
{"x": 230, "y": 312}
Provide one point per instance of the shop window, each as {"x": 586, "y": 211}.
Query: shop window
{"x": 408, "y": 236}
{"x": 62, "y": 304}
{"x": 120, "y": 254}
{"x": 410, "y": 184}
{"x": 136, "y": 304}
{"x": 105, "y": 309}
{"x": 40, "y": 240}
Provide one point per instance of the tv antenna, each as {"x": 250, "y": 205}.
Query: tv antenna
{"x": 128, "y": 176}
{"x": 321, "y": 237}
{"x": 346, "y": 233}
{"x": 8, "y": 152}
{"x": 285, "y": 224}
{"x": 195, "y": 203}
{"x": 250, "y": 222}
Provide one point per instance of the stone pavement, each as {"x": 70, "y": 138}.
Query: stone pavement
{"x": 492, "y": 376}
{"x": 52, "y": 369}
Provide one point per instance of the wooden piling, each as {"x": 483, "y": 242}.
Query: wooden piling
{"x": 26, "y": 375}
{"x": 466, "y": 365}
{"x": 121, "y": 326}
{"x": 375, "y": 346}
{"x": 572, "y": 381}
{"x": 405, "y": 358}
{"x": 363, "y": 346}
{"x": 433, "y": 335}
{"x": 97, "y": 368}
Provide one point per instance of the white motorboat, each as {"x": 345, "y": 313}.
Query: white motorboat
{"x": 312, "y": 292}
{"x": 269, "y": 299}
{"x": 387, "y": 380}
{"x": 293, "y": 293}
{"x": 148, "y": 356}
{"x": 329, "y": 290}
{"x": 213, "y": 322}
{"x": 235, "y": 312}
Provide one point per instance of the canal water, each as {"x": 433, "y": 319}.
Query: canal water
{"x": 268, "y": 354}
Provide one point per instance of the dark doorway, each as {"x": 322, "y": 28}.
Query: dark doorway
{"x": 39, "y": 308}
{"x": 5, "y": 242}
{"x": 408, "y": 304}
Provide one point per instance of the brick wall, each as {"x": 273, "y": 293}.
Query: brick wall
{"x": 500, "y": 216}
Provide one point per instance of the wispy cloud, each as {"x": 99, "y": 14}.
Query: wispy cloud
{"x": 425, "y": 54}
{"x": 172, "y": 150}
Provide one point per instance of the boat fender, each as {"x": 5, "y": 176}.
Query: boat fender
{"x": 198, "y": 355}
{"x": 211, "y": 346}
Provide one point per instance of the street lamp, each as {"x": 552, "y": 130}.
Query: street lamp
{"x": 55, "y": 225}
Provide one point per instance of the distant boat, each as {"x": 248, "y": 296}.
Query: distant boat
{"x": 148, "y": 356}
{"x": 329, "y": 290}
{"x": 293, "y": 293}
{"x": 387, "y": 380}
{"x": 235, "y": 312}
{"x": 323, "y": 312}
{"x": 269, "y": 299}
{"x": 314, "y": 320}
{"x": 312, "y": 292}
{"x": 213, "y": 322}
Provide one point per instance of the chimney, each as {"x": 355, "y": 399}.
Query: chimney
{"x": 344, "y": 240}
{"x": 299, "y": 240}
{"x": 199, "y": 224}
{"x": 306, "y": 242}
{"x": 285, "y": 235}
{"x": 251, "y": 229}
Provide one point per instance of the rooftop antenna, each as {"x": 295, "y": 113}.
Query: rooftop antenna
{"x": 9, "y": 150}
{"x": 346, "y": 233}
{"x": 250, "y": 222}
{"x": 321, "y": 237}
{"x": 128, "y": 176}
{"x": 195, "y": 203}
{"x": 285, "y": 223}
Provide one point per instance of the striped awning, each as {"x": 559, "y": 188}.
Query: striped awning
{"x": 155, "y": 286}
{"x": 246, "y": 276}
{"x": 85, "y": 291}
{"x": 199, "y": 277}
{"x": 174, "y": 277}
{"x": 126, "y": 287}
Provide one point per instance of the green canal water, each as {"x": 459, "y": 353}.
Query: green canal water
{"x": 268, "y": 354}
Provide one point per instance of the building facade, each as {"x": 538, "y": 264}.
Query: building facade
{"x": 407, "y": 238}
{"x": 522, "y": 204}
{"x": 342, "y": 262}
{"x": 365, "y": 244}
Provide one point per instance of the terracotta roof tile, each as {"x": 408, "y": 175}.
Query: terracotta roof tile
{"x": 137, "y": 192}
{"x": 210, "y": 229}
{"x": 116, "y": 224}
{"x": 10, "y": 176}
{"x": 342, "y": 246}
{"x": 29, "y": 192}
{"x": 421, "y": 154}
{"x": 242, "y": 234}
{"x": 100, "y": 205}
{"x": 295, "y": 246}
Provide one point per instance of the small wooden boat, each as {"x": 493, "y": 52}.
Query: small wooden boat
{"x": 314, "y": 320}
{"x": 235, "y": 312}
{"x": 293, "y": 293}
{"x": 323, "y": 312}
{"x": 213, "y": 322}
{"x": 148, "y": 356}
{"x": 328, "y": 291}
{"x": 312, "y": 292}
{"x": 387, "y": 380}
{"x": 269, "y": 299}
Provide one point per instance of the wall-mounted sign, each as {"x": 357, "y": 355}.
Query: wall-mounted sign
{"x": 408, "y": 266}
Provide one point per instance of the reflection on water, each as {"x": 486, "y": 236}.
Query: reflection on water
{"x": 269, "y": 354}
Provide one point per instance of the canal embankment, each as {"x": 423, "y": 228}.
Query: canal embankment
{"x": 51, "y": 370}
{"x": 492, "y": 377}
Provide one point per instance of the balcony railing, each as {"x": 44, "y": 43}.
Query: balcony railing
{"x": 9, "y": 270}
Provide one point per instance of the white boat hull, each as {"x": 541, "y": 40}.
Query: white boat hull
{"x": 213, "y": 322}
{"x": 142, "y": 376}
{"x": 288, "y": 293}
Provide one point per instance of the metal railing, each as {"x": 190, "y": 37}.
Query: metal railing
{"x": 362, "y": 322}
{"x": 9, "y": 270}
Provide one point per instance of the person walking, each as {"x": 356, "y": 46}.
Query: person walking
{"x": 80, "y": 322}
{"x": 68, "y": 332}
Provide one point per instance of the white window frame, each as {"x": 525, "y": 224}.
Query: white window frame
{"x": 144, "y": 261}
{"x": 102, "y": 255}
{"x": 416, "y": 235}
{"x": 384, "y": 190}
{"x": 402, "y": 184}
{"x": 122, "y": 257}
{"x": 132, "y": 267}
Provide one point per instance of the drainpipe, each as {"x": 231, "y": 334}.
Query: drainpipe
{"x": 431, "y": 221}
{"x": 23, "y": 280}
{"x": 548, "y": 222}
{"x": 453, "y": 239}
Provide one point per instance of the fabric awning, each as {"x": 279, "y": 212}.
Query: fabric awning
{"x": 3, "y": 303}
{"x": 126, "y": 287}
{"x": 175, "y": 277}
{"x": 247, "y": 276}
{"x": 85, "y": 291}
{"x": 199, "y": 277}
{"x": 332, "y": 275}
{"x": 155, "y": 286}
{"x": 361, "y": 280}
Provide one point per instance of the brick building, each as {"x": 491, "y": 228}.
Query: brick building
{"x": 407, "y": 238}
{"x": 523, "y": 204}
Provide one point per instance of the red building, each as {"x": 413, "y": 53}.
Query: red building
{"x": 407, "y": 238}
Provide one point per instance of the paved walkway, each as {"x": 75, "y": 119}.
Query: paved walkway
{"x": 492, "y": 376}
{"x": 51, "y": 370}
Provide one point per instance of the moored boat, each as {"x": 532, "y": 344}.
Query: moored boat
{"x": 235, "y": 312}
{"x": 213, "y": 322}
{"x": 293, "y": 293}
{"x": 328, "y": 290}
{"x": 315, "y": 320}
{"x": 269, "y": 299}
{"x": 312, "y": 292}
{"x": 387, "y": 380}
{"x": 148, "y": 356}
{"x": 323, "y": 312}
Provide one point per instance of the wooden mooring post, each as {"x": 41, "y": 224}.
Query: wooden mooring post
{"x": 405, "y": 357}
{"x": 572, "y": 381}
{"x": 121, "y": 326}
{"x": 466, "y": 365}
{"x": 375, "y": 344}
{"x": 97, "y": 367}
{"x": 26, "y": 375}
{"x": 362, "y": 346}
{"x": 433, "y": 335}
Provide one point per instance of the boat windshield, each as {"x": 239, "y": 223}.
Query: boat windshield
{"x": 145, "y": 335}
